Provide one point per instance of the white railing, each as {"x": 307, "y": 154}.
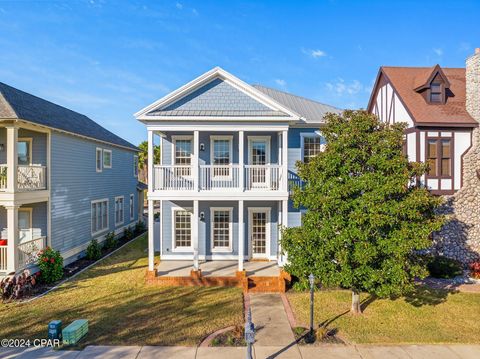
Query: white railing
{"x": 219, "y": 177}
{"x": 3, "y": 177}
{"x": 266, "y": 177}
{"x": 172, "y": 177}
{"x": 28, "y": 251}
{"x": 3, "y": 258}
{"x": 31, "y": 178}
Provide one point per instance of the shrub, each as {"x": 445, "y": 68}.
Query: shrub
{"x": 139, "y": 228}
{"x": 298, "y": 331}
{"x": 15, "y": 286}
{"x": 94, "y": 251}
{"x": 475, "y": 270}
{"x": 110, "y": 241}
{"x": 50, "y": 263}
{"x": 128, "y": 233}
{"x": 443, "y": 267}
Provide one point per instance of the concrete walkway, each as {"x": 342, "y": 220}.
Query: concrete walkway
{"x": 305, "y": 352}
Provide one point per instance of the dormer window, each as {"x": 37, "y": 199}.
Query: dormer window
{"x": 436, "y": 95}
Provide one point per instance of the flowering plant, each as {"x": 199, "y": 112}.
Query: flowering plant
{"x": 50, "y": 263}
{"x": 475, "y": 270}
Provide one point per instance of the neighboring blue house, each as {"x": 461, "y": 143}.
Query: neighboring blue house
{"x": 228, "y": 154}
{"x": 64, "y": 180}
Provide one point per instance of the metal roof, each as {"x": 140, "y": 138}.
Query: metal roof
{"x": 17, "y": 104}
{"x": 311, "y": 110}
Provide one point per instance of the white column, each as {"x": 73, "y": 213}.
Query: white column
{"x": 284, "y": 223}
{"x": 12, "y": 238}
{"x": 195, "y": 162}
{"x": 150, "y": 156}
{"x": 195, "y": 235}
{"x": 241, "y": 160}
{"x": 151, "y": 248}
{"x": 280, "y": 220}
{"x": 160, "y": 228}
{"x": 285, "y": 161}
{"x": 241, "y": 236}
{"x": 12, "y": 158}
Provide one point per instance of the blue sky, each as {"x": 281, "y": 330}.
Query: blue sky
{"x": 108, "y": 59}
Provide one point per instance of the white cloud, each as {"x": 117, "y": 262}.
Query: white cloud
{"x": 315, "y": 53}
{"x": 438, "y": 51}
{"x": 281, "y": 82}
{"x": 342, "y": 88}
{"x": 179, "y": 6}
{"x": 465, "y": 46}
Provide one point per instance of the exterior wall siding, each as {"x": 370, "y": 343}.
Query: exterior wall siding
{"x": 75, "y": 183}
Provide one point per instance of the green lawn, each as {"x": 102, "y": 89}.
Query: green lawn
{"x": 123, "y": 310}
{"x": 427, "y": 316}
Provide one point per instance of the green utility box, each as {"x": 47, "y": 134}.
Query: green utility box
{"x": 75, "y": 331}
{"x": 55, "y": 329}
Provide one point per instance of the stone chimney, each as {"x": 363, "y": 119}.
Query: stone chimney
{"x": 473, "y": 85}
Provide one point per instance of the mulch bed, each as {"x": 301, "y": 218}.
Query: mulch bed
{"x": 231, "y": 338}
{"x": 302, "y": 337}
{"x": 72, "y": 269}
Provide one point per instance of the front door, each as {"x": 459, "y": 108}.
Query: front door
{"x": 259, "y": 153}
{"x": 24, "y": 225}
{"x": 259, "y": 232}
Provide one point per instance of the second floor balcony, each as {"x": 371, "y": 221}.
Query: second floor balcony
{"x": 29, "y": 177}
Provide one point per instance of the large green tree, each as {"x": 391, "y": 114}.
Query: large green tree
{"x": 366, "y": 221}
{"x": 143, "y": 159}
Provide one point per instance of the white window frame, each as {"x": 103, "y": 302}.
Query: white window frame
{"x": 213, "y": 138}
{"x": 228, "y": 249}
{"x": 103, "y": 158}
{"x": 108, "y": 216}
{"x": 123, "y": 210}
{"x": 97, "y": 151}
{"x": 132, "y": 207}
{"x": 28, "y": 230}
{"x": 302, "y": 142}
{"x": 135, "y": 166}
{"x": 174, "y": 247}
{"x": 268, "y": 156}
{"x": 174, "y": 145}
{"x": 30, "y": 151}
{"x": 268, "y": 232}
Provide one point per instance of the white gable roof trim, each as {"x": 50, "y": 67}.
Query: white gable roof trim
{"x": 281, "y": 112}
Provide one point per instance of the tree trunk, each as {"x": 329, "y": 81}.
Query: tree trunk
{"x": 356, "y": 308}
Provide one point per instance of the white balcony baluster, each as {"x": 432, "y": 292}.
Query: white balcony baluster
{"x": 31, "y": 177}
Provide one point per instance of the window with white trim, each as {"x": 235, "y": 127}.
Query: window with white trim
{"x": 182, "y": 222}
{"x": 182, "y": 155}
{"x": 221, "y": 224}
{"x": 98, "y": 159}
{"x": 119, "y": 210}
{"x": 99, "y": 215}
{"x": 135, "y": 166}
{"x": 132, "y": 207}
{"x": 107, "y": 159}
{"x": 312, "y": 146}
{"x": 221, "y": 154}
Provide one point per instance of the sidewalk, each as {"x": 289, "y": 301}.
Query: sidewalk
{"x": 260, "y": 352}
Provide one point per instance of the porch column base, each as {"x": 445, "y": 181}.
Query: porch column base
{"x": 196, "y": 274}
{"x": 241, "y": 274}
{"x": 151, "y": 274}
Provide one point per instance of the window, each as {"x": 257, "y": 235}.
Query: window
{"x": 118, "y": 210}
{"x": 439, "y": 157}
{"x": 182, "y": 226}
{"x": 182, "y": 154}
{"x": 436, "y": 92}
{"x": 221, "y": 154}
{"x": 24, "y": 151}
{"x": 107, "y": 159}
{"x": 221, "y": 232}
{"x": 311, "y": 146}
{"x": 132, "y": 207}
{"x": 99, "y": 159}
{"x": 99, "y": 215}
{"x": 135, "y": 166}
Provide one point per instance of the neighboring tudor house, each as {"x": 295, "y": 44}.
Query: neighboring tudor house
{"x": 64, "y": 180}
{"x": 441, "y": 107}
{"x": 228, "y": 150}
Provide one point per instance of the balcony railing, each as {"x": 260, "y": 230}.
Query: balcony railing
{"x": 216, "y": 177}
{"x": 27, "y": 253}
{"x": 29, "y": 178}
{"x": 3, "y": 177}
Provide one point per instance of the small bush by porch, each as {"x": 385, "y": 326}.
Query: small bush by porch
{"x": 123, "y": 310}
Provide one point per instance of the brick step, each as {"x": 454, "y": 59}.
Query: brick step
{"x": 263, "y": 284}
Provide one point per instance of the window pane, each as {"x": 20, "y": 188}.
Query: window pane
{"x": 311, "y": 147}
{"x": 221, "y": 152}
{"x": 183, "y": 151}
{"x": 23, "y": 149}
{"x": 221, "y": 229}
{"x": 445, "y": 148}
{"x": 182, "y": 229}
{"x": 107, "y": 159}
{"x": 432, "y": 149}
{"x": 433, "y": 170}
{"x": 445, "y": 167}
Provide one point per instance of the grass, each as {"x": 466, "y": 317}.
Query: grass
{"x": 426, "y": 316}
{"x": 123, "y": 310}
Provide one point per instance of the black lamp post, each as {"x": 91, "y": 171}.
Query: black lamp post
{"x": 311, "y": 279}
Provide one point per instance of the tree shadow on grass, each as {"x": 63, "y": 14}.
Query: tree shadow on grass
{"x": 425, "y": 295}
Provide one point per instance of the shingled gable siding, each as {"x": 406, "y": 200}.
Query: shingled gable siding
{"x": 75, "y": 183}
{"x": 217, "y": 95}
{"x": 204, "y": 240}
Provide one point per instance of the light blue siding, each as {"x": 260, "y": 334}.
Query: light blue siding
{"x": 75, "y": 183}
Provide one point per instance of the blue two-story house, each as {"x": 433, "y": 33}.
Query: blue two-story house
{"x": 228, "y": 153}
{"x": 64, "y": 180}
